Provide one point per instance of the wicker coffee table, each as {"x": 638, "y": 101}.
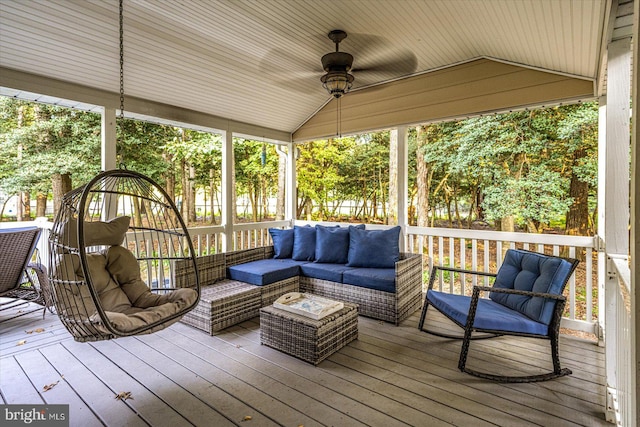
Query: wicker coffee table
{"x": 305, "y": 338}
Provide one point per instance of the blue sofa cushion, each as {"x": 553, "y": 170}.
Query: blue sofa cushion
{"x": 332, "y": 244}
{"x": 304, "y": 243}
{"x": 282, "y": 242}
{"x": 529, "y": 271}
{"x": 264, "y": 271}
{"x": 382, "y": 279}
{"x": 489, "y": 314}
{"x": 324, "y": 271}
{"x": 374, "y": 248}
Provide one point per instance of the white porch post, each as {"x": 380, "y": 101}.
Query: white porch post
{"x": 291, "y": 187}
{"x": 108, "y": 139}
{"x": 613, "y": 184}
{"x": 402, "y": 163}
{"x": 227, "y": 191}
{"x": 635, "y": 217}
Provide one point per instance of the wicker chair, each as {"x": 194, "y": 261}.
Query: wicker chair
{"x": 525, "y": 300}
{"x": 21, "y": 281}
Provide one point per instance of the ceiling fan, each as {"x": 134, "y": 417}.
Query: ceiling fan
{"x": 376, "y": 60}
{"x": 337, "y": 64}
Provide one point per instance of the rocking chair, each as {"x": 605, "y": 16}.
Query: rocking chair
{"x": 525, "y": 300}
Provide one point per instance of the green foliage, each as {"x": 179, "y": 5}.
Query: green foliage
{"x": 37, "y": 141}
{"x": 515, "y": 165}
{"x": 520, "y": 162}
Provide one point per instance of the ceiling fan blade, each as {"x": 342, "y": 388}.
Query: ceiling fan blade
{"x": 399, "y": 63}
{"x": 290, "y": 71}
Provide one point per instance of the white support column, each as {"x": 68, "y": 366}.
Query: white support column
{"x": 402, "y": 162}
{"x": 108, "y": 139}
{"x": 291, "y": 188}
{"x": 602, "y": 185}
{"x": 227, "y": 191}
{"x": 614, "y": 184}
{"x": 635, "y": 216}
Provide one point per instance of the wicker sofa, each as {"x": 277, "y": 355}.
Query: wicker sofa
{"x": 226, "y": 301}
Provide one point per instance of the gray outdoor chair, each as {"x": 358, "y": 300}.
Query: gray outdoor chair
{"x": 525, "y": 300}
{"x": 21, "y": 281}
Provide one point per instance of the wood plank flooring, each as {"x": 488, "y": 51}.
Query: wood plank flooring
{"x": 390, "y": 376}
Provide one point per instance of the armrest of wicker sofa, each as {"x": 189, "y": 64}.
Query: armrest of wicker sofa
{"x": 211, "y": 268}
{"x": 408, "y": 285}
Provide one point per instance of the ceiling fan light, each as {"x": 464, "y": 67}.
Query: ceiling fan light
{"x": 337, "y": 83}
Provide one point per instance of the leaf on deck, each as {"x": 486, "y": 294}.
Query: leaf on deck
{"x": 37, "y": 331}
{"x": 124, "y": 395}
{"x": 22, "y": 342}
{"x": 247, "y": 418}
{"x": 50, "y": 386}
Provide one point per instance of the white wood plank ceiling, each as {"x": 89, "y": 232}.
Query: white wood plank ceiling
{"x": 259, "y": 61}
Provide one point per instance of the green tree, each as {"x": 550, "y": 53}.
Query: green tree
{"x": 45, "y": 147}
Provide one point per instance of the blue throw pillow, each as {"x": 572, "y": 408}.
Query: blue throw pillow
{"x": 304, "y": 243}
{"x": 282, "y": 242}
{"x": 374, "y": 248}
{"x": 332, "y": 244}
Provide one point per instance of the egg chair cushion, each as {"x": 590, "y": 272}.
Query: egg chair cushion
{"x": 125, "y": 298}
{"x": 96, "y": 232}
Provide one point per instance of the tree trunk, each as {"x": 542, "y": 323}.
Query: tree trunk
{"x": 508, "y": 224}
{"x": 578, "y": 215}
{"x": 61, "y": 185}
{"x": 184, "y": 206}
{"x": 41, "y": 205}
{"x": 308, "y": 208}
{"x": 282, "y": 184}
{"x": 25, "y": 202}
{"x": 392, "y": 213}
{"x": 192, "y": 193}
{"x": 213, "y": 194}
{"x": 423, "y": 179}
{"x": 234, "y": 194}
{"x": 170, "y": 177}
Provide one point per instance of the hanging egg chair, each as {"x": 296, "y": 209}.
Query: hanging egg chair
{"x": 121, "y": 261}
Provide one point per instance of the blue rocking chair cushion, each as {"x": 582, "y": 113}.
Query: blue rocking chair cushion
{"x": 527, "y": 271}
{"x": 489, "y": 315}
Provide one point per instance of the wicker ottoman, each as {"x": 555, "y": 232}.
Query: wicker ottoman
{"x": 305, "y": 338}
{"x": 224, "y": 304}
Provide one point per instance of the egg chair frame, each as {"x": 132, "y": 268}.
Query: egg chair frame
{"x": 119, "y": 216}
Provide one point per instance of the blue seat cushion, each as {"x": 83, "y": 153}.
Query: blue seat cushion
{"x": 489, "y": 315}
{"x": 264, "y": 271}
{"x": 373, "y": 248}
{"x": 533, "y": 272}
{"x": 282, "y": 242}
{"x": 382, "y": 279}
{"x": 324, "y": 271}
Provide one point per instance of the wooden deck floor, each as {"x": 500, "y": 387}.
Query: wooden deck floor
{"x": 390, "y": 376}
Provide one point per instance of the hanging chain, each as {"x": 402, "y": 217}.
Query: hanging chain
{"x": 121, "y": 61}
{"x": 120, "y": 118}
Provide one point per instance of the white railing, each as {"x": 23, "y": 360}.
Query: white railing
{"x": 482, "y": 250}
{"x": 254, "y": 234}
{"x": 470, "y": 249}
{"x": 621, "y": 388}
{"x": 208, "y": 239}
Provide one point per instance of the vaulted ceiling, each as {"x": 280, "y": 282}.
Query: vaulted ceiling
{"x": 258, "y": 62}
